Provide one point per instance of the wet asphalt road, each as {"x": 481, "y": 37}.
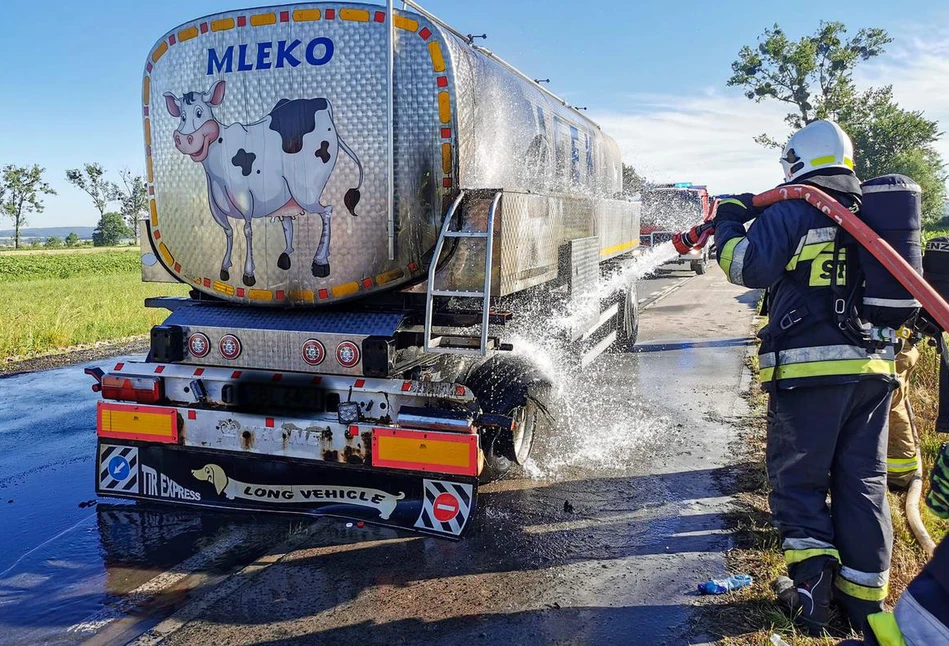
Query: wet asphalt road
{"x": 71, "y": 569}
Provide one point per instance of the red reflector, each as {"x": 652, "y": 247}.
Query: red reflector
{"x": 144, "y": 390}
{"x": 359, "y": 383}
{"x": 192, "y": 415}
{"x": 269, "y": 422}
{"x": 407, "y": 386}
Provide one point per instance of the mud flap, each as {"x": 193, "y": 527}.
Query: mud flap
{"x": 172, "y": 474}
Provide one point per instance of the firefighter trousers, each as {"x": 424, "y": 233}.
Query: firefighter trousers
{"x": 832, "y": 439}
{"x": 901, "y": 458}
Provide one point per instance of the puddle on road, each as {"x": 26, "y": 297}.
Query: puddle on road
{"x": 62, "y": 560}
{"x": 112, "y": 551}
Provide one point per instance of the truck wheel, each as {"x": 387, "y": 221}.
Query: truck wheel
{"x": 627, "y": 323}
{"x": 698, "y": 266}
{"x": 513, "y": 387}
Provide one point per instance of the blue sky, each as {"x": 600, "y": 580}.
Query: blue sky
{"x": 652, "y": 72}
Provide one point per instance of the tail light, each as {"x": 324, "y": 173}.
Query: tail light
{"x": 144, "y": 390}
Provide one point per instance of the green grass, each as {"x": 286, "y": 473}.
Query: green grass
{"x": 25, "y": 266}
{"x": 42, "y": 315}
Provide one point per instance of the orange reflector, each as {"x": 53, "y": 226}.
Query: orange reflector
{"x": 144, "y": 423}
{"x": 453, "y": 453}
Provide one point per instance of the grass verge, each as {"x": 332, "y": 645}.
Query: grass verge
{"x": 750, "y": 616}
{"x": 43, "y": 315}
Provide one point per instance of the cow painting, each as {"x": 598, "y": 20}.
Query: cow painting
{"x": 276, "y": 167}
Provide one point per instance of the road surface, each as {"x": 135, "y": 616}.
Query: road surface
{"x": 613, "y": 522}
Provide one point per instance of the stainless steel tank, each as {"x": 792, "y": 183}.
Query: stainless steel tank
{"x": 268, "y": 158}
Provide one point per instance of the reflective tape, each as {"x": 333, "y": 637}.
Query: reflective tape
{"x": 869, "y": 579}
{"x": 831, "y": 353}
{"x": 917, "y": 625}
{"x": 886, "y": 188}
{"x": 738, "y": 263}
{"x": 901, "y": 465}
{"x": 806, "y": 544}
{"x": 796, "y": 556}
{"x": 863, "y": 592}
{"x": 732, "y": 258}
{"x": 891, "y": 302}
{"x": 830, "y": 369}
{"x": 885, "y": 629}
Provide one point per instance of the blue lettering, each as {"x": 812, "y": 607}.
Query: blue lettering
{"x": 319, "y": 51}
{"x": 263, "y": 55}
{"x": 242, "y": 63}
{"x": 285, "y": 55}
{"x": 219, "y": 65}
{"x": 311, "y": 51}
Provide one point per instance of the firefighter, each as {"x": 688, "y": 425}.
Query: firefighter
{"x": 902, "y": 461}
{"x": 921, "y": 616}
{"x": 829, "y": 392}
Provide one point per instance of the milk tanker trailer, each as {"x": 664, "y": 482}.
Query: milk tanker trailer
{"x": 360, "y": 205}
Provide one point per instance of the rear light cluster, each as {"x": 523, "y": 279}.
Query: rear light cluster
{"x": 144, "y": 390}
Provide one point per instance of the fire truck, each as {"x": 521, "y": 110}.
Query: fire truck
{"x": 361, "y": 200}
{"x": 665, "y": 207}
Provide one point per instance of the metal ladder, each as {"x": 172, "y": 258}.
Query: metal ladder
{"x": 434, "y": 345}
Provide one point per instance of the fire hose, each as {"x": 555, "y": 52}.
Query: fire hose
{"x": 934, "y": 305}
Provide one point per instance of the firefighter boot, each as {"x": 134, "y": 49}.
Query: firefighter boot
{"x": 809, "y": 594}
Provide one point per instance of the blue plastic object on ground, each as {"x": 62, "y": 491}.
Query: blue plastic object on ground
{"x": 721, "y": 586}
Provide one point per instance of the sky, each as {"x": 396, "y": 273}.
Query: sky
{"x": 651, "y": 72}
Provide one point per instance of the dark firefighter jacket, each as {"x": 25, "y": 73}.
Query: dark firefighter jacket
{"x": 789, "y": 249}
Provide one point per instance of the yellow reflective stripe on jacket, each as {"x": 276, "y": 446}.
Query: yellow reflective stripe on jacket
{"x": 732, "y": 259}
{"x": 901, "y": 465}
{"x": 796, "y": 556}
{"x": 830, "y": 369}
{"x": 857, "y": 591}
{"x": 885, "y": 629}
{"x": 809, "y": 252}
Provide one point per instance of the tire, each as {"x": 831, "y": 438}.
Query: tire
{"x": 513, "y": 387}
{"x": 699, "y": 267}
{"x": 627, "y": 321}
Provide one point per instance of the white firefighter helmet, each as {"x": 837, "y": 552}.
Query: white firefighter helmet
{"x": 819, "y": 144}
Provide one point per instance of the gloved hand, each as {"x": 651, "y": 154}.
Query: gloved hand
{"x": 737, "y": 208}
{"x": 938, "y": 497}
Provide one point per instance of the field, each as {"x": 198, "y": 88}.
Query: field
{"x": 51, "y": 300}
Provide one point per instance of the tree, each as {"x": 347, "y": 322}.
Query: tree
{"x": 53, "y": 242}
{"x": 110, "y": 230}
{"x": 633, "y": 182}
{"x": 814, "y": 76}
{"x": 91, "y": 179}
{"x": 133, "y": 197}
{"x": 21, "y": 193}
{"x": 72, "y": 239}
{"x": 810, "y": 74}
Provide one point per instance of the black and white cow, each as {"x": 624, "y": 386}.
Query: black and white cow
{"x": 276, "y": 167}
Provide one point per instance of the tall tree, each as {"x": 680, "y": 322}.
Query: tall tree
{"x": 810, "y": 74}
{"x": 133, "y": 198}
{"x": 72, "y": 239}
{"x": 91, "y": 179}
{"x": 21, "y": 193}
{"x": 110, "y": 230}
{"x": 813, "y": 75}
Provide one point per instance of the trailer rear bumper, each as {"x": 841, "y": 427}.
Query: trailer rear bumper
{"x": 431, "y": 504}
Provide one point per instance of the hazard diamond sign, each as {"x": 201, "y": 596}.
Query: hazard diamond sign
{"x": 445, "y": 507}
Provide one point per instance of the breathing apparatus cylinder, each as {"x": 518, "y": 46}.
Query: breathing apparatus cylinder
{"x": 892, "y": 208}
